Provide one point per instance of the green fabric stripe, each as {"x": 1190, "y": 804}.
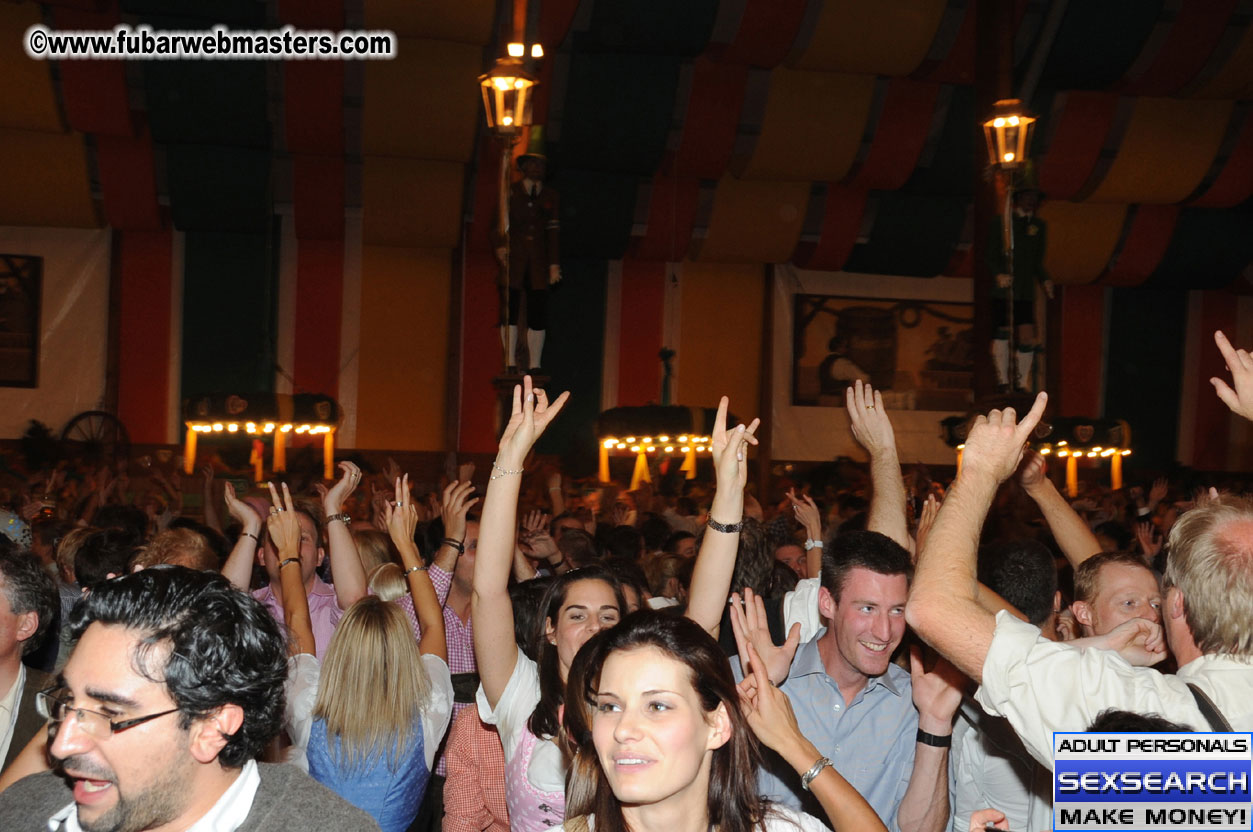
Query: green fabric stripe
{"x": 230, "y": 301}
{"x": 1143, "y": 368}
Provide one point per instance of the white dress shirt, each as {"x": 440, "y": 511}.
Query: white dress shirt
{"x": 1043, "y": 686}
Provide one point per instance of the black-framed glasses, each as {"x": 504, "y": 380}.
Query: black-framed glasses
{"x": 93, "y": 723}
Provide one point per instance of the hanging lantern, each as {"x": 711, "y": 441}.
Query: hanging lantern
{"x": 1008, "y": 134}
{"x": 506, "y": 100}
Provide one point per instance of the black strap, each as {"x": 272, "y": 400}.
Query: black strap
{"x": 1213, "y": 716}
{"x": 464, "y": 686}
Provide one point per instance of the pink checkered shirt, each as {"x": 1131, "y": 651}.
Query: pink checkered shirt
{"x": 460, "y": 638}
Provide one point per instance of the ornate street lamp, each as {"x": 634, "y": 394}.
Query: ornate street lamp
{"x": 1007, "y": 131}
{"x": 506, "y": 98}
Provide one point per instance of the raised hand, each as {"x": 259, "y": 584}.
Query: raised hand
{"x": 930, "y": 510}
{"x": 283, "y": 525}
{"x": 1161, "y": 486}
{"x": 1150, "y": 541}
{"x": 729, "y": 448}
{"x": 995, "y": 444}
{"x": 333, "y": 500}
{"x": 937, "y": 694}
{"x": 807, "y": 514}
{"x": 1033, "y": 472}
{"x": 241, "y": 511}
{"x": 870, "y": 423}
{"x": 454, "y": 507}
{"x": 391, "y": 470}
{"x": 751, "y": 628}
{"x": 402, "y": 518}
{"x": 1240, "y": 365}
{"x": 767, "y": 709}
{"x": 531, "y": 415}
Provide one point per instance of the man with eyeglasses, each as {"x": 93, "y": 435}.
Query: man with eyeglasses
{"x": 173, "y": 689}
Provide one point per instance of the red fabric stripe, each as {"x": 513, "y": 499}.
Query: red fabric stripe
{"x": 485, "y": 197}
{"x": 767, "y": 30}
{"x": 555, "y": 17}
{"x": 318, "y": 196}
{"x": 1192, "y": 38}
{"x": 312, "y": 14}
{"x": 129, "y": 182}
{"x": 1083, "y": 318}
{"x": 319, "y": 301}
{"x": 1213, "y": 420}
{"x": 639, "y": 339}
{"x": 713, "y": 114}
{"x": 1235, "y": 183}
{"x": 94, "y": 92}
{"x": 481, "y": 356}
{"x": 313, "y": 100}
{"x": 1143, "y": 245}
{"x": 899, "y": 136}
{"x": 958, "y": 66}
{"x": 671, "y": 215}
{"x": 961, "y": 264}
{"x": 841, "y": 221}
{"x": 1076, "y": 144}
{"x": 143, "y": 365}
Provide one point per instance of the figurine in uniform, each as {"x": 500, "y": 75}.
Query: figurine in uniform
{"x": 530, "y": 262}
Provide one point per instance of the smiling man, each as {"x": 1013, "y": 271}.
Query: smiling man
{"x": 174, "y": 688}
{"x": 887, "y": 732}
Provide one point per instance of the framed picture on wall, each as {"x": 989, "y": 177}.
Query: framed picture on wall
{"x": 21, "y": 282}
{"x": 918, "y": 353}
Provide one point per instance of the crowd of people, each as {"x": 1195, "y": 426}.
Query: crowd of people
{"x": 889, "y": 652}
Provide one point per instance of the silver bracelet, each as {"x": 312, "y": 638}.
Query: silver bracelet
{"x": 814, "y": 771}
{"x": 502, "y": 471}
{"x": 413, "y": 569}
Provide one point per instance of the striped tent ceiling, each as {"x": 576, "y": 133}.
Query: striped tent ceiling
{"x": 830, "y": 134}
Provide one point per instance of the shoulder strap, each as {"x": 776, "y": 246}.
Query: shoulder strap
{"x": 1213, "y": 716}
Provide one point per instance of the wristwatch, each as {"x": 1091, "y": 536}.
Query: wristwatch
{"x": 726, "y": 528}
{"x": 812, "y": 544}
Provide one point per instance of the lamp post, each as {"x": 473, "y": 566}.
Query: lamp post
{"x": 1008, "y": 131}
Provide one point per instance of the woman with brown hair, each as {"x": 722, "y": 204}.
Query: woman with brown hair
{"x": 663, "y": 740}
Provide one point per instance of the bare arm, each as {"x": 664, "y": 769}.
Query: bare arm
{"x": 769, "y": 714}
{"x": 715, "y": 562}
{"x": 1072, "y": 534}
{"x": 556, "y": 494}
{"x": 284, "y": 528}
{"x": 211, "y": 517}
{"x": 937, "y": 695}
{"x": 873, "y": 431}
{"x": 350, "y": 580}
{"x": 944, "y": 605}
{"x": 238, "y": 566}
{"x": 453, "y": 508}
{"x": 494, "y": 647}
{"x": 401, "y": 523}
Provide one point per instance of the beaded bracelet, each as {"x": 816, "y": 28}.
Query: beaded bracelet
{"x": 502, "y": 471}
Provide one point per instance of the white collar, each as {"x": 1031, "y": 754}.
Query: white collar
{"x": 227, "y": 815}
{"x": 528, "y": 184}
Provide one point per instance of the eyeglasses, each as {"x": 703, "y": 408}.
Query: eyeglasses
{"x": 92, "y": 723}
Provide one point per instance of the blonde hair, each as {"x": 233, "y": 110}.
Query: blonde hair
{"x": 387, "y": 581}
{"x": 374, "y": 547}
{"x": 182, "y": 547}
{"x": 373, "y": 686}
{"x": 1213, "y": 567}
